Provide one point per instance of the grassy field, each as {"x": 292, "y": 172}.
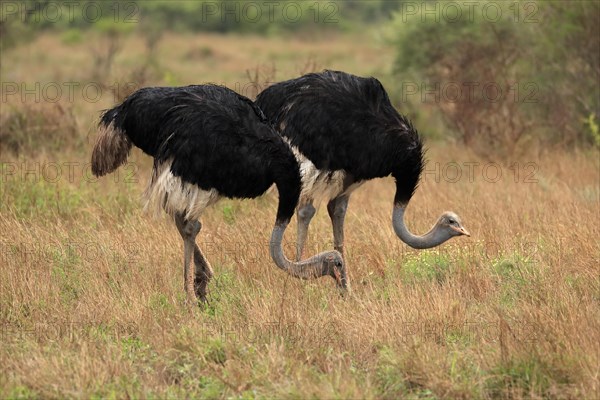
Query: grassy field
{"x": 91, "y": 288}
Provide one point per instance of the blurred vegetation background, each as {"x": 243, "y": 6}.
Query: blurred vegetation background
{"x": 499, "y": 77}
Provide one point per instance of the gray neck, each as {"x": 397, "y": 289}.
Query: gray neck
{"x": 432, "y": 238}
{"x": 307, "y": 269}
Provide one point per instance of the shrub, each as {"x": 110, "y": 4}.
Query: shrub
{"x": 29, "y": 128}
{"x": 541, "y": 73}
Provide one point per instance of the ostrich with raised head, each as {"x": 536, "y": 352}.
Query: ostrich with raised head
{"x": 344, "y": 131}
{"x": 207, "y": 142}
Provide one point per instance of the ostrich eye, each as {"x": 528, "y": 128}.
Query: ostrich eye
{"x": 451, "y": 221}
{"x": 338, "y": 263}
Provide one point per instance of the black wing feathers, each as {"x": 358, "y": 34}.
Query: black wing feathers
{"x": 344, "y": 122}
{"x": 215, "y": 138}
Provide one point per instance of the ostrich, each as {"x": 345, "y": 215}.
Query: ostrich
{"x": 207, "y": 142}
{"x": 344, "y": 131}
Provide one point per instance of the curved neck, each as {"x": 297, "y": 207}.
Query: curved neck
{"x": 431, "y": 239}
{"x": 307, "y": 269}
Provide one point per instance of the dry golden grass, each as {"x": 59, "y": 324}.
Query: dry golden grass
{"x": 92, "y": 301}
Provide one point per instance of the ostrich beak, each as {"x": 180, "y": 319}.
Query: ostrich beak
{"x": 461, "y": 230}
{"x": 341, "y": 282}
{"x": 338, "y": 277}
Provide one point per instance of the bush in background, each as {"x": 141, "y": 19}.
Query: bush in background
{"x": 28, "y": 128}
{"x": 497, "y": 84}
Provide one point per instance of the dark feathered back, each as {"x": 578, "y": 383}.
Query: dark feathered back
{"x": 345, "y": 122}
{"x": 215, "y": 138}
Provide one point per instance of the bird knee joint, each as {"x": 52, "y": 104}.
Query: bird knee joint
{"x": 340, "y": 211}
{"x": 306, "y": 212}
{"x": 191, "y": 229}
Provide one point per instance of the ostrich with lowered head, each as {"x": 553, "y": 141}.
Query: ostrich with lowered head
{"x": 207, "y": 142}
{"x": 344, "y": 131}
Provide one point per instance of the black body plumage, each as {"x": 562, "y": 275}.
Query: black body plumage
{"x": 345, "y": 122}
{"x": 213, "y": 137}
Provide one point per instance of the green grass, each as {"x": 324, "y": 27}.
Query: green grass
{"x": 427, "y": 266}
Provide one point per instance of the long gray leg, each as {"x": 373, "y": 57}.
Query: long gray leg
{"x": 195, "y": 280}
{"x": 304, "y": 215}
{"x": 337, "y": 212}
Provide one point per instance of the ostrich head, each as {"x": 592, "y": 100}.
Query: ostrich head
{"x": 450, "y": 225}
{"x": 447, "y": 226}
{"x": 333, "y": 265}
{"x": 329, "y": 263}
